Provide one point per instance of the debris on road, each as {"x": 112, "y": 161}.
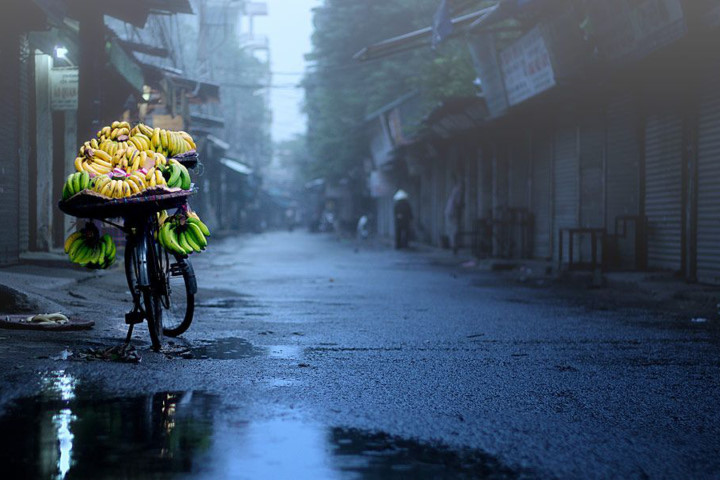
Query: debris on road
{"x": 120, "y": 353}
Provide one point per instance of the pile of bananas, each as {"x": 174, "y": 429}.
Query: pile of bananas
{"x": 182, "y": 233}
{"x": 88, "y": 249}
{"x": 124, "y": 161}
{"x": 76, "y": 182}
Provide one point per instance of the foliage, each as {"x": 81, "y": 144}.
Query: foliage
{"x": 341, "y": 92}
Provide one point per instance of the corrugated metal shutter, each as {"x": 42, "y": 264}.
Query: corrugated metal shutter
{"x": 663, "y": 190}
{"x": 566, "y": 175}
{"x": 622, "y": 163}
{"x": 591, "y": 174}
{"x": 519, "y": 173}
{"x": 24, "y": 155}
{"x": 9, "y": 162}
{"x": 708, "y": 216}
{"x": 541, "y": 188}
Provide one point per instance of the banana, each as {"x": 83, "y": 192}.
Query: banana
{"x": 70, "y": 239}
{"x": 94, "y": 143}
{"x": 183, "y": 241}
{"x": 164, "y": 139}
{"x": 190, "y": 239}
{"x": 107, "y": 188}
{"x": 185, "y": 183}
{"x": 197, "y": 234}
{"x": 134, "y": 190}
{"x": 145, "y": 130}
{"x": 99, "y": 153}
{"x": 153, "y": 179}
{"x": 193, "y": 218}
{"x": 175, "y": 173}
{"x": 160, "y": 159}
{"x": 156, "y": 143}
{"x": 127, "y": 189}
{"x": 186, "y": 136}
{"x": 78, "y": 164}
{"x": 75, "y": 247}
{"x": 160, "y": 180}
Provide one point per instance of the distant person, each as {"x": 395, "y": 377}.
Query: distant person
{"x": 403, "y": 219}
{"x": 453, "y": 214}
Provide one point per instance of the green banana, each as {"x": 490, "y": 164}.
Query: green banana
{"x": 182, "y": 240}
{"x": 76, "y": 182}
{"x": 197, "y": 234}
{"x": 84, "y": 180}
{"x": 190, "y": 239}
{"x": 185, "y": 185}
{"x": 175, "y": 174}
{"x": 203, "y": 228}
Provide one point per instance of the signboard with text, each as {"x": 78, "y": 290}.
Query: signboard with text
{"x": 64, "y": 88}
{"x": 527, "y": 67}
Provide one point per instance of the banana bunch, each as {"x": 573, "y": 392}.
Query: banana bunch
{"x": 176, "y": 175}
{"x": 183, "y": 233}
{"x": 76, "y": 182}
{"x": 171, "y": 143}
{"x": 88, "y": 249}
{"x": 119, "y": 184}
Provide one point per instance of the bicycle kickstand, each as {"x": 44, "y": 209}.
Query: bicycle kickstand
{"x": 131, "y": 318}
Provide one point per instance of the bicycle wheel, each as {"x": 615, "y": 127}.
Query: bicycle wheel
{"x": 152, "y": 294}
{"x": 179, "y": 301}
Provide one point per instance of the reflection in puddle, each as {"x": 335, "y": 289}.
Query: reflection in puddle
{"x": 188, "y": 434}
{"x": 225, "y": 349}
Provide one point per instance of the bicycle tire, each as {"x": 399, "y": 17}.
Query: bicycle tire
{"x": 152, "y": 294}
{"x": 185, "y": 304}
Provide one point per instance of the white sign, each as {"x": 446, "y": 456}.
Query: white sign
{"x": 527, "y": 67}
{"x": 64, "y": 88}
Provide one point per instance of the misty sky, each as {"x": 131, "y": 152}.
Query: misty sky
{"x": 288, "y": 26}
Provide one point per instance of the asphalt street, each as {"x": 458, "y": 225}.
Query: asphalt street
{"x": 311, "y": 358}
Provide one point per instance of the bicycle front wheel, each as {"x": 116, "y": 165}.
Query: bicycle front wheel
{"x": 179, "y": 301}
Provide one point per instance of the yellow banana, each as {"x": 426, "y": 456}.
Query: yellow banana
{"x": 70, "y": 239}
{"x": 78, "y": 164}
{"x": 133, "y": 187}
{"x": 99, "y": 153}
{"x": 160, "y": 179}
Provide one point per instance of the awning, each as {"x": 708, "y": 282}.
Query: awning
{"x": 146, "y": 49}
{"x": 197, "y": 92}
{"x": 221, "y": 144}
{"x": 236, "y": 166}
{"x": 125, "y": 65}
{"x": 135, "y": 12}
{"x": 417, "y": 38}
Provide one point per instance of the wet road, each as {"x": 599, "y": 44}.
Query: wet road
{"x": 310, "y": 360}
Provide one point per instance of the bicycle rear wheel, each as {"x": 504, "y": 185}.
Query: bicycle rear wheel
{"x": 179, "y": 301}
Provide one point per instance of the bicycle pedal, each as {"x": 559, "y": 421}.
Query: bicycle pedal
{"x": 135, "y": 317}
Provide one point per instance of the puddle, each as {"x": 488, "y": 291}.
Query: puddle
{"x": 225, "y": 349}
{"x": 71, "y": 432}
{"x": 227, "y": 303}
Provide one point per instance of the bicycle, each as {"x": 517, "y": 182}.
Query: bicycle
{"x": 162, "y": 285}
{"x": 163, "y": 291}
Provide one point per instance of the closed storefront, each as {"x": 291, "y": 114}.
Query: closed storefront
{"x": 622, "y": 162}
{"x": 541, "y": 194}
{"x": 663, "y": 189}
{"x": 708, "y": 195}
{"x": 566, "y": 177}
{"x": 9, "y": 161}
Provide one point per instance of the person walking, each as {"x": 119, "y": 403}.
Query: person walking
{"x": 403, "y": 219}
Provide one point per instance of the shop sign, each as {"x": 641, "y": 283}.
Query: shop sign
{"x": 64, "y": 88}
{"x": 527, "y": 67}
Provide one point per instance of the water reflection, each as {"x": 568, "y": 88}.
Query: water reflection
{"x": 78, "y": 434}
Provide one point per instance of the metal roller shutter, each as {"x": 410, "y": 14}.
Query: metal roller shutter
{"x": 566, "y": 175}
{"x": 519, "y": 172}
{"x": 663, "y": 190}
{"x": 622, "y": 163}
{"x": 708, "y": 226}
{"x": 9, "y": 162}
{"x": 541, "y": 194}
{"x": 591, "y": 175}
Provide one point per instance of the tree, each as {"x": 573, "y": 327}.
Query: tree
{"x": 341, "y": 92}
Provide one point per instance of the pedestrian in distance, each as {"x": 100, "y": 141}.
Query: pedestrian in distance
{"x": 403, "y": 219}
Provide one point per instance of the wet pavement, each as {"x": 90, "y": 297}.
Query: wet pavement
{"x": 308, "y": 359}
